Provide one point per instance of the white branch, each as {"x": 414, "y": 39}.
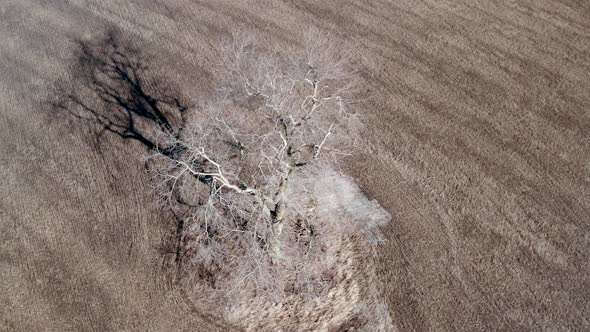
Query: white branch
{"x": 319, "y": 147}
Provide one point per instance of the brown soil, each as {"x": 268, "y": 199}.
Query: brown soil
{"x": 477, "y": 142}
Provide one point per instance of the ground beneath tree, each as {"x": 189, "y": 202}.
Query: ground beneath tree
{"x": 477, "y": 143}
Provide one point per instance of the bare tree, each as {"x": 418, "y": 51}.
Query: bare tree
{"x": 237, "y": 169}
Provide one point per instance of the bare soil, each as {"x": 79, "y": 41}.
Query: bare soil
{"x": 477, "y": 142}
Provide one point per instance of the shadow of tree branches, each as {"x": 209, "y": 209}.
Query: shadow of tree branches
{"x": 117, "y": 97}
{"x": 112, "y": 93}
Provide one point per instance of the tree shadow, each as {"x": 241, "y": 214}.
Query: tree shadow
{"x": 112, "y": 93}
{"x": 116, "y": 95}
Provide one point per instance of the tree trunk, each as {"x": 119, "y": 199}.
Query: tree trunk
{"x": 278, "y": 214}
{"x": 276, "y": 253}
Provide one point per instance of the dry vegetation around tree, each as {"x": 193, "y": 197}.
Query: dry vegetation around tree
{"x": 251, "y": 174}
